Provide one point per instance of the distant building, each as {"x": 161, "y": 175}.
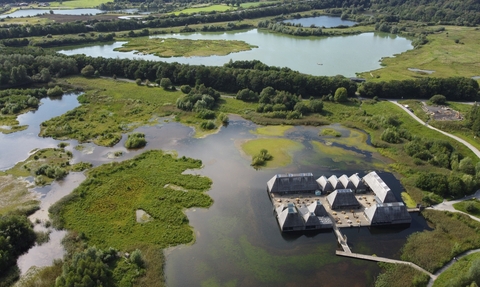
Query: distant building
{"x": 292, "y": 183}
{"x": 382, "y": 192}
{"x": 343, "y": 199}
{"x": 387, "y": 214}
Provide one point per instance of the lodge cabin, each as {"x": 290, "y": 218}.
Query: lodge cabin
{"x": 325, "y": 185}
{"x": 303, "y": 217}
{"x": 388, "y": 214}
{"x": 336, "y": 184}
{"x": 376, "y": 184}
{"x": 292, "y": 183}
{"x": 358, "y": 184}
{"x": 343, "y": 199}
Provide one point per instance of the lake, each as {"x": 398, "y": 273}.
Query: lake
{"x": 319, "y": 56}
{"x": 321, "y": 21}
{"x": 83, "y": 11}
{"x": 238, "y": 242}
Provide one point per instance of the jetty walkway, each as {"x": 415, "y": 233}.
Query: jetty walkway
{"x": 383, "y": 259}
{"x": 341, "y": 239}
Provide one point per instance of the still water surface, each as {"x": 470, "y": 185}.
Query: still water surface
{"x": 321, "y": 21}
{"x": 325, "y": 56}
{"x": 238, "y": 242}
{"x": 84, "y": 11}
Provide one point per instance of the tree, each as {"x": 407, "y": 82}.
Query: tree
{"x": 136, "y": 140}
{"x": 165, "y": 83}
{"x": 341, "y": 95}
{"x": 316, "y": 106}
{"x": 88, "y": 71}
{"x": 438, "y": 100}
{"x": 55, "y": 92}
{"x": 466, "y": 166}
{"x": 247, "y": 95}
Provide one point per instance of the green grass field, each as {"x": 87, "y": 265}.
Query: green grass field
{"x": 171, "y": 47}
{"x": 78, "y": 3}
{"x": 255, "y": 4}
{"x": 272, "y": 130}
{"x": 459, "y": 274}
{"x": 210, "y": 8}
{"x": 441, "y": 54}
{"x": 103, "y": 207}
{"x": 281, "y": 149}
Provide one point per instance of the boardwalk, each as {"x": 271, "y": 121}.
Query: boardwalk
{"x": 341, "y": 239}
{"x": 383, "y": 259}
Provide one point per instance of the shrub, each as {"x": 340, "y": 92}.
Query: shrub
{"x": 138, "y": 81}
{"x": 88, "y": 71}
{"x": 136, "y": 140}
{"x": 185, "y": 89}
{"x": 55, "y": 92}
{"x": 208, "y": 125}
{"x": 438, "y": 100}
{"x": 341, "y": 95}
{"x": 165, "y": 83}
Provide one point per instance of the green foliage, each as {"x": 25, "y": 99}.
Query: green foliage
{"x": 390, "y": 135}
{"x": 341, "y": 95}
{"x": 330, "y": 132}
{"x": 316, "y": 106}
{"x": 50, "y": 171}
{"x": 138, "y": 81}
{"x": 208, "y": 125}
{"x": 165, "y": 83}
{"x": 206, "y": 114}
{"x": 135, "y": 140}
{"x": 438, "y": 100}
{"x": 247, "y": 95}
{"x": 199, "y": 98}
{"x": 223, "y": 118}
{"x": 261, "y": 158}
{"x": 88, "y": 71}
{"x": 454, "y": 233}
{"x": 400, "y": 275}
{"x": 185, "y": 89}
{"x": 103, "y": 206}
{"x": 16, "y": 237}
{"x": 55, "y": 92}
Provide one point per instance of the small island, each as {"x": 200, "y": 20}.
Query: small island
{"x": 184, "y": 47}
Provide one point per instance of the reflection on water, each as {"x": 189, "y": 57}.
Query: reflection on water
{"x": 238, "y": 242}
{"x": 321, "y": 21}
{"x": 321, "y": 56}
{"x": 17, "y": 146}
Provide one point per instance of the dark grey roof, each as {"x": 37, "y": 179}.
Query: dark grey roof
{"x": 388, "y": 213}
{"x": 335, "y": 182}
{"x": 317, "y": 208}
{"x": 299, "y": 182}
{"x": 289, "y": 218}
{"x": 379, "y": 187}
{"x": 346, "y": 182}
{"x": 324, "y": 184}
{"x": 357, "y": 182}
{"x": 342, "y": 198}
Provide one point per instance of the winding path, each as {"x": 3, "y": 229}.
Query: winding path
{"x": 448, "y": 264}
{"x": 471, "y": 147}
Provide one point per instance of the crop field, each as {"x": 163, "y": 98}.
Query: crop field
{"x": 451, "y": 53}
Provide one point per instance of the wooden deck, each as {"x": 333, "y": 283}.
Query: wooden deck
{"x": 383, "y": 259}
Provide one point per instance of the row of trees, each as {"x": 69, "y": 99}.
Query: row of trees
{"x": 454, "y": 89}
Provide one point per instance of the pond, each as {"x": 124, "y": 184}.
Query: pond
{"x": 238, "y": 242}
{"x": 321, "y": 21}
{"x": 83, "y": 11}
{"x": 320, "y": 56}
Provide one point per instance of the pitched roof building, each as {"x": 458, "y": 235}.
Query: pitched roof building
{"x": 289, "y": 219}
{"x": 358, "y": 183}
{"x": 292, "y": 183}
{"x": 346, "y": 182}
{"x": 342, "y": 198}
{"x": 325, "y": 185}
{"x": 383, "y": 193}
{"x": 336, "y": 184}
{"x": 388, "y": 213}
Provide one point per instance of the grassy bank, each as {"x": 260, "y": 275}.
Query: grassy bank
{"x": 469, "y": 206}
{"x": 461, "y": 273}
{"x": 453, "y": 52}
{"x": 281, "y": 149}
{"x": 400, "y": 275}
{"x": 103, "y": 207}
{"x": 171, "y": 47}
{"x": 453, "y": 234}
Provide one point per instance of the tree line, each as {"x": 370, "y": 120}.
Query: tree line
{"x": 454, "y": 89}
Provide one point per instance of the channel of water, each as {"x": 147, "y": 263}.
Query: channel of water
{"x": 238, "y": 241}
